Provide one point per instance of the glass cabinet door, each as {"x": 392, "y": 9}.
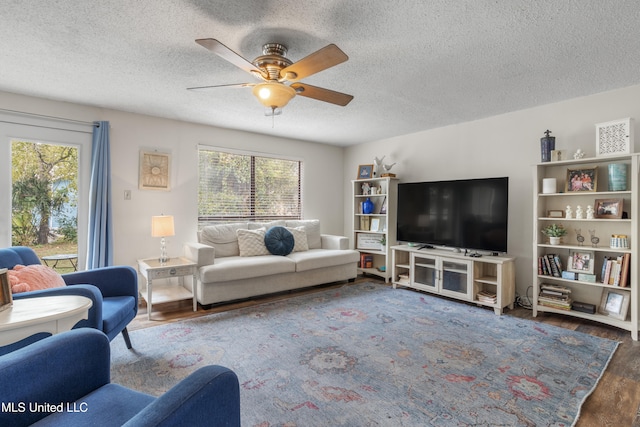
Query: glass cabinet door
{"x": 424, "y": 272}
{"x": 456, "y": 278}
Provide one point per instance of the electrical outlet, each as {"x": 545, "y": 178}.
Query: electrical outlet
{"x": 127, "y": 194}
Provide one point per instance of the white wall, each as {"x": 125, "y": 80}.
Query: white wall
{"x": 504, "y": 145}
{"x": 132, "y": 132}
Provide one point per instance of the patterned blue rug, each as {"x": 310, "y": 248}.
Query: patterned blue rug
{"x": 369, "y": 355}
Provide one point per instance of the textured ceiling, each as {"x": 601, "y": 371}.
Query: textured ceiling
{"x": 413, "y": 65}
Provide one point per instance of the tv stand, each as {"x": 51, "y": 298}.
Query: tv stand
{"x": 487, "y": 281}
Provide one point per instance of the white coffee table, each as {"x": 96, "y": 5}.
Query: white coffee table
{"x": 52, "y": 314}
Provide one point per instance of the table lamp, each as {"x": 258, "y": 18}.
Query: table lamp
{"x": 162, "y": 226}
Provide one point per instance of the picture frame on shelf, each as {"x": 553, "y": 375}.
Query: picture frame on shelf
{"x": 368, "y": 241}
{"x": 365, "y": 171}
{"x": 614, "y": 303}
{"x": 579, "y": 180}
{"x": 555, "y": 214}
{"x": 581, "y": 261}
{"x": 614, "y": 137}
{"x": 608, "y": 208}
{"x": 383, "y": 208}
{"x": 6, "y": 298}
{"x": 375, "y": 224}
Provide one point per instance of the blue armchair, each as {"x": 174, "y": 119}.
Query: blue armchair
{"x": 113, "y": 291}
{"x": 71, "y": 371}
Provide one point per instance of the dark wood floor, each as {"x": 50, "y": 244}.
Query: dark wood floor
{"x": 614, "y": 403}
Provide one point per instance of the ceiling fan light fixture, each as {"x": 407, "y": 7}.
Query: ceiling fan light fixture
{"x": 273, "y": 95}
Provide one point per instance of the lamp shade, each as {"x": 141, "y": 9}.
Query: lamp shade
{"x": 273, "y": 95}
{"x": 162, "y": 226}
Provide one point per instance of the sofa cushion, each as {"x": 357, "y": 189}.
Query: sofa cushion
{"x": 223, "y": 237}
{"x": 323, "y": 258}
{"x": 237, "y": 268}
{"x": 312, "y": 227}
{"x": 300, "y": 239}
{"x": 251, "y": 242}
{"x": 279, "y": 241}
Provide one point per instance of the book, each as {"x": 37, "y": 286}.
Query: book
{"x": 624, "y": 277}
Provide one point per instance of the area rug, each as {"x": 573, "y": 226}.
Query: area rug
{"x": 371, "y": 355}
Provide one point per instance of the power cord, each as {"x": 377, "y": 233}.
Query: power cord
{"x": 525, "y": 301}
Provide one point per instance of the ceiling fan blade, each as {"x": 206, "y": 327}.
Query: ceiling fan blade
{"x": 216, "y": 86}
{"x": 224, "y": 52}
{"x": 322, "y": 94}
{"x": 322, "y": 59}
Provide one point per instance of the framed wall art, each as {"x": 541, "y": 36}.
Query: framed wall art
{"x": 154, "y": 171}
{"x": 608, "y": 208}
{"x": 582, "y": 180}
{"x": 615, "y": 137}
{"x": 614, "y": 303}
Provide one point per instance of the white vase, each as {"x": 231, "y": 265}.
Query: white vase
{"x": 555, "y": 240}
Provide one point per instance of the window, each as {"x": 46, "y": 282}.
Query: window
{"x": 44, "y": 205}
{"x": 245, "y": 187}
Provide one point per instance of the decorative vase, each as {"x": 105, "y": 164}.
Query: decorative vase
{"x": 617, "y": 177}
{"x": 555, "y": 240}
{"x": 367, "y": 206}
{"x": 547, "y": 144}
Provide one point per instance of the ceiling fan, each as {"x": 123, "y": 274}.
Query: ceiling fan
{"x": 274, "y": 69}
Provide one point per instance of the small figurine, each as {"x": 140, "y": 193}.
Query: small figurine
{"x": 377, "y": 170}
{"x": 366, "y": 188}
{"x": 579, "y": 213}
{"x": 579, "y": 237}
{"x": 594, "y": 240}
{"x": 578, "y": 154}
{"x": 590, "y": 212}
{"x": 568, "y": 213}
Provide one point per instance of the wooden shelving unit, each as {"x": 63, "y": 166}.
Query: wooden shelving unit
{"x": 588, "y": 290}
{"x": 369, "y": 230}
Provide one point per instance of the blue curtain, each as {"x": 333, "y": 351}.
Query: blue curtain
{"x": 100, "y": 245}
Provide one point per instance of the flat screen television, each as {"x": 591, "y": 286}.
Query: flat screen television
{"x": 463, "y": 214}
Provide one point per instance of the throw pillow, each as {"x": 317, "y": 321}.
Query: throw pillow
{"x": 33, "y": 277}
{"x": 279, "y": 241}
{"x": 312, "y": 227}
{"x": 251, "y": 242}
{"x": 300, "y": 238}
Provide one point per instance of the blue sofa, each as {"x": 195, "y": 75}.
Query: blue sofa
{"x": 113, "y": 291}
{"x": 70, "y": 372}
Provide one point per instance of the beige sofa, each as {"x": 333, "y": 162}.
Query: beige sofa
{"x": 233, "y": 266}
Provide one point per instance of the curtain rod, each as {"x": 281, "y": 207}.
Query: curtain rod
{"x": 46, "y": 127}
{"x": 62, "y": 119}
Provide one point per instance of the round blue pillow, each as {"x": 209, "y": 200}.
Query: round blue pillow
{"x": 279, "y": 241}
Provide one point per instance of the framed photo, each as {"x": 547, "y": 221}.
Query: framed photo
{"x": 581, "y": 261}
{"x": 6, "y": 299}
{"x": 582, "y": 180}
{"x": 555, "y": 214}
{"x": 614, "y": 303}
{"x": 608, "y": 208}
{"x": 383, "y": 208}
{"x": 375, "y": 224}
{"x": 365, "y": 171}
{"x": 368, "y": 241}
{"x": 154, "y": 171}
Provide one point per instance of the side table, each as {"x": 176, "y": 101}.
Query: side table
{"x": 72, "y": 258}
{"x": 152, "y": 269}
{"x": 53, "y": 314}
